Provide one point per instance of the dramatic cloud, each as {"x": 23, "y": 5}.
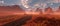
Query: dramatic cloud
{"x": 41, "y": 5}
{"x": 31, "y": 4}
{"x": 1, "y": 2}
{"x": 53, "y": 1}
{"x": 25, "y": 3}
{"x": 10, "y": 2}
{"x": 56, "y": 1}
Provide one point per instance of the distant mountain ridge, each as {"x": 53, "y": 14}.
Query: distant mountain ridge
{"x": 11, "y": 8}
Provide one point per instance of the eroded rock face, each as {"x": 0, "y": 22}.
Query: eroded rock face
{"x": 27, "y": 20}
{"x": 41, "y": 21}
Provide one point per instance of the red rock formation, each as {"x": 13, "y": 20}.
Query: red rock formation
{"x": 39, "y": 10}
{"x": 48, "y": 10}
{"x": 58, "y": 9}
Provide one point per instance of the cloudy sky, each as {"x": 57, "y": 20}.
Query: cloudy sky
{"x": 32, "y": 3}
